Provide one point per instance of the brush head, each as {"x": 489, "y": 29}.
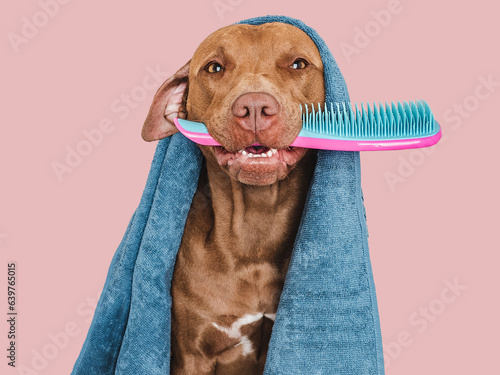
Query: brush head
{"x": 412, "y": 119}
{"x": 347, "y": 127}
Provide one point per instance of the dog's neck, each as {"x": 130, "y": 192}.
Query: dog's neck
{"x": 258, "y": 221}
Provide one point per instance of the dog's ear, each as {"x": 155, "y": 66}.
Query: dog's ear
{"x": 169, "y": 102}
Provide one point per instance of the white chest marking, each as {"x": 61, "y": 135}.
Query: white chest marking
{"x": 235, "y": 331}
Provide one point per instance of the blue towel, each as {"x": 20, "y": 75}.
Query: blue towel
{"x": 327, "y": 320}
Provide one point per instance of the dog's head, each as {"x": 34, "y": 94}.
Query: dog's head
{"x": 245, "y": 83}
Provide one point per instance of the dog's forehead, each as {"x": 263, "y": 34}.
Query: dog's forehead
{"x": 240, "y": 38}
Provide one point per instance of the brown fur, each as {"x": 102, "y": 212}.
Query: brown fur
{"x": 242, "y": 224}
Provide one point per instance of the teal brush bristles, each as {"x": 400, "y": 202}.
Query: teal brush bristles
{"x": 345, "y": 120}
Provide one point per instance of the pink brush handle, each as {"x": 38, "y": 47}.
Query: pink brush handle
{"x": 366, "y": 145}
{"x": 203, "y": 139}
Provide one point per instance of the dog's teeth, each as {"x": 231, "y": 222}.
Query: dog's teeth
{"x": 264, "y": 155}
{"x": 250, "y": 155}
{"x": 256, "y": 155}
{"x": 243, "y": 152}
{"x": 273, "y": 150}
{"x": 269, "y": 153}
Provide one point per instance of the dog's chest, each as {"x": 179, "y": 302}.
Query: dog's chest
{"x": 237, "y": 302}
{"x": 236, "y": 290}
{"x": 227, "y": 282}
{"x": 225, "y": 271}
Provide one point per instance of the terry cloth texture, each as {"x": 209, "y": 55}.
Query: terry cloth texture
{"x": 327, "y": 321}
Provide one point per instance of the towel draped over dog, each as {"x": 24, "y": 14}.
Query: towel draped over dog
{"x": 327, "y": 320}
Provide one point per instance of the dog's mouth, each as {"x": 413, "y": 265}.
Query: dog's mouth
{"x": 258, "y": 164}
{"x": 259, "y": 154}
{"x": 258, "y": 151}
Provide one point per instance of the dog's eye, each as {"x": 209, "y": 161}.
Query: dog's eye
{"x": 299, "y": 64}
{"x": 214, "y": 67}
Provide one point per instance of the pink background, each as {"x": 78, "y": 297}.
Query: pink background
{"x": 435, "y": 225}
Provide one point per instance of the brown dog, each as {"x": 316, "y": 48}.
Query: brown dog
{"x": 245, "y": 83}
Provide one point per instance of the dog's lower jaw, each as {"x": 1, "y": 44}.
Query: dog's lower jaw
{"x": 264, "y": 166}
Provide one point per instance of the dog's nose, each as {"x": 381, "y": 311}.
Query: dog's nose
{"x": 255, "y": 111}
